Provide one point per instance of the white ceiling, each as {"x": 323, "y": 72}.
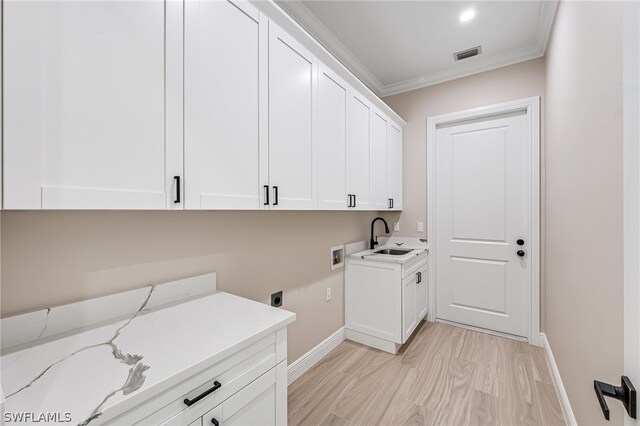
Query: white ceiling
{"x": 396, "y": 45}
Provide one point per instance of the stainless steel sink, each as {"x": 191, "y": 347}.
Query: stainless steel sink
{"x": 393, "y": 252}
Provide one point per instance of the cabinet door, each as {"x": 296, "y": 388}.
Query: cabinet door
{"x": 253, "y": 405}
{"x": 421, "y": 293}
{"x": 85, "y": 89}
{"x": 222, "y": 151}
{"x": 332, "y": 141}
{"x": 292, "y": 172}
{"x": 409, "y": 318}
{"x": 379, "y": 163}
{"x": 359, "y": 152}
{"x": 394, "y": 165}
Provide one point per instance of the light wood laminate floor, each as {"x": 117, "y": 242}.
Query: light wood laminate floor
{"x": 444, "y": 376}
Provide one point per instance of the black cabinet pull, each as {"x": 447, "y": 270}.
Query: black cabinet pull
{"x": 349, "y": 195}
{"x": 266, "y": 195}
{"x": 215, "y": 422}
{"x": 215, "y": 387}
{"x": 177, "y": 179}
{"x": 419, "y": 277}
{"x": 275, "y": 195}
{"x": 355, "y": 200}
{"x": 392, "y": 201}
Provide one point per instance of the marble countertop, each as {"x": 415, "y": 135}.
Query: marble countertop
{"x": 99, "y": 372}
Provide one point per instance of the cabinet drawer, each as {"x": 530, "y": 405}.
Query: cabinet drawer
{"x": 233, "y": 373}
{"x": 253, "y": 405}
{"x": 414, "y": 265}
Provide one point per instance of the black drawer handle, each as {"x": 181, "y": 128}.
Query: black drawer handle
{"x": 215, "y": 422}
{"x": 177, "y": 200}
{"x": 190, "y": 402}
{"x": 275, "y": 195}
{"x": 266, "y": 195}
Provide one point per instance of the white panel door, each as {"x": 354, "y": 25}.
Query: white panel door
{"x": 84, "y": 104}
{"x": 332, "y": 141}
{"x": 379, "y": 197}
{"x": 359, "y": 157}
{"x": 409, "y": 314}
{"x": 222, "y": 67}
{"x": 292, "y": 172}
{"x": 482, "y": 205}
{"x": 394, "y": 165}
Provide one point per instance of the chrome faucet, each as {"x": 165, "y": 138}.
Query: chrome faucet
{"x": 373, "y": 242}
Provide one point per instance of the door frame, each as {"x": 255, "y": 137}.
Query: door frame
{"x": 531, "y": 107}
{"x": 631, "y": 195}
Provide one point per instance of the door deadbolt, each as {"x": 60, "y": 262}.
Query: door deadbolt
{"x": 520, "y": 242}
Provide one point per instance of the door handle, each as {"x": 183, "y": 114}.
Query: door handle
{"x": 520, "y": 242}
{"x": 625, "y": 393}
{"x": 266, "y": 195}
{"x": 520, "y": 253}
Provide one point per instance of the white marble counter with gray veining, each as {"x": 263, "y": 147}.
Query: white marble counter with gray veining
{"x": 78, "y": 363}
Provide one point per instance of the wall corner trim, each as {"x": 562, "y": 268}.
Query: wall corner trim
{"x": 567, "y": 411}
{"x": 301, "y": 365}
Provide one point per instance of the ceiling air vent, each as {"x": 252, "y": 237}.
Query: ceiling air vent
{"x": 468, "y": 53}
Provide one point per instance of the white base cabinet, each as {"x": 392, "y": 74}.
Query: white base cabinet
{"x": 384, "y": 302}
{"x": 247, "y": 388}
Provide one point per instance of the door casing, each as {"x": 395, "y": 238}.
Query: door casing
{"x": 631, "y": 196}
{"x": 531, "y": 107}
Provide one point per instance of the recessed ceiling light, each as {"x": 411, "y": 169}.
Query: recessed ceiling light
{"x": 467, "y": 15}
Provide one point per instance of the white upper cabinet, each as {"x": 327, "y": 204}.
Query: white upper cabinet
{"x": 332, "y": 141}
{"x": 193, "y": 104}
{"x": 292, "y": 160}
{"x": 379, "y": 162}
{"x": 222, "y": 105}
{"x": 394, "y": 165}
{"x": 84, "y": 105}
{"x": 359, "y": 165}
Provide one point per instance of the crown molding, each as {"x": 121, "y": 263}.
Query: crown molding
{"x": 545, "y": 23}
{"x": 462, "y": 69}
{"x": 301, "y": 14}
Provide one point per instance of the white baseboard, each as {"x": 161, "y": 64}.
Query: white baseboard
{"x": 374, "y": 342}
{"x": 567, "y": 411}
{"x": 311, "y": 358}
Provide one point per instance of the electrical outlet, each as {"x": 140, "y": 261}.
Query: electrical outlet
{"x": 276, "y": 299}
{"x": 396, "y": 226}
{"x": 328, "y": 297}
{"x": 420, "y": 226}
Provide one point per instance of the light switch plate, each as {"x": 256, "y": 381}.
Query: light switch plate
{"x": 420, "y": 226}
{"x": 396, "y": 226}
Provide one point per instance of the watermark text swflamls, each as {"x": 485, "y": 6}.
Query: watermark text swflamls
{"x": 31, "y": 417}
